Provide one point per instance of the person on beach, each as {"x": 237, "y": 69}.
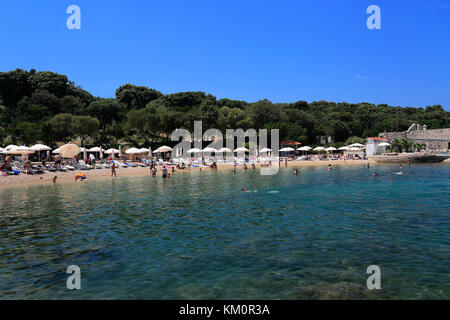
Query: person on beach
{"x": 164, "y": 172}
{"x": 244, "y": 167}
{"x": 253, "y": 166}
{"x": 54, "y": 179}
{"x": 113, "y": 169}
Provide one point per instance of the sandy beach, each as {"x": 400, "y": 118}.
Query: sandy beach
{"x": 96, "y": 174}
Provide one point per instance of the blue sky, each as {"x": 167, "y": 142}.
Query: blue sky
{"x": 248, "y": 50}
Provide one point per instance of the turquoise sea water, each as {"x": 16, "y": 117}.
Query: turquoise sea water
{"x": 197, "y": 236}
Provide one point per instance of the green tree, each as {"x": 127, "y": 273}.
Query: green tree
{"x": 136, "y": 97}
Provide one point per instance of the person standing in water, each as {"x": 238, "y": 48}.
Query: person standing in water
{"x": 329, "y": 167}
{"x": 164, "y": 172}
{"x": 113, "y": 169}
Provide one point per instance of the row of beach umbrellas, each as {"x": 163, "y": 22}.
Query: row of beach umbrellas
{"x": 70, "y": 150}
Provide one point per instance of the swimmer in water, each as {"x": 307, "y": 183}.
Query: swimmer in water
{"x": 297, "y": 172}
{"x": 329, "y": 167}
{"x": 375, "y": 174}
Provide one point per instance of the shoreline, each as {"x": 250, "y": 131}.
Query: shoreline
{"x": 23, "y": 180}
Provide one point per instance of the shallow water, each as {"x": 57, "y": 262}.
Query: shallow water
{"x": 197, "y": 236}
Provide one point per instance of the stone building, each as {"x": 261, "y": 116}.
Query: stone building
{"x": 437, "y": 140}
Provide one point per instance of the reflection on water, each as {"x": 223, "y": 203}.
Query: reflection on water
{"x": 197, "y": 236}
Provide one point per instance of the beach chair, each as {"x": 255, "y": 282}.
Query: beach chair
{"x": 20, "y": 168}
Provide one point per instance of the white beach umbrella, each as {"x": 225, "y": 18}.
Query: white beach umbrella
{"x": 305, "y": 148}
{"x": 95, "y": 149}
{"x": 356, "y": 145}
{"x": 164, "y": 149}
{"x": 384, "y": 144}
{"x": 56, "y": 150}
{"x": 209, "y": 150}
{"x": 40, "y": 147}
{"x": 22, "y": 150}
{"x": 144, "y": 150}
{"x": 133, "y": 151}
{"x": 10, "y": 147}
{"x": 288, "y": 149}
{"x": 354, "y": 149}
{"x": 242, "y": 149}
{"x": 344, "y": 148}
{"x": 194, "y": 150}
{"x": 111, "y": 151}
{"x": 224, "y": 150}
{"x": 331, "y": 149}
{"x": 264, "y": 150}
{"x": 2, "y": 150}
{"x": 319, "y": 149}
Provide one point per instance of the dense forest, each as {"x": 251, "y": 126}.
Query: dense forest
{"x": 46, "y": 107}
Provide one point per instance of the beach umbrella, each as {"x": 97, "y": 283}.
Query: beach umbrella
{"x": 288, "y": 149}
{"x": 111, "y": 151}
{"x": 3, "y": 150}
{"x": 319, "y": 149}
{"x": 264, "y": 150}
{"x": 354, "y": 149}
{"x": 164, "y": 149}
{"x": 69, "y": 150}
{"x": 133, "y": 151}
{"x": 84, "y": 150}
{"x": 20, "y": 150}
{"x": 95, "y": 149}
{"x": 343, "y": 148}
{"x": 56, "y": 150}
{"x": 194, "y": 150}
{"x": 40, "y": 147}
{"x": 209, "y": 150}
{"x": 242, "y": 149}
{"x": 144, "y": 150}
{"x": 224, "y": 150}
{"x": 384, "y": 144}
{"x": 331, "y": 149}
{"x": 10, "y": 147}
{"x": 305, "y": 148}
{"x": 356, "y": 145}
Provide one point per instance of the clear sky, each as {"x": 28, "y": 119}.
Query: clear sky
{"x": 248, "y": 49}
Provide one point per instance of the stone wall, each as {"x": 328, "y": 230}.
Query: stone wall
{"x": 436, "y": 139}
